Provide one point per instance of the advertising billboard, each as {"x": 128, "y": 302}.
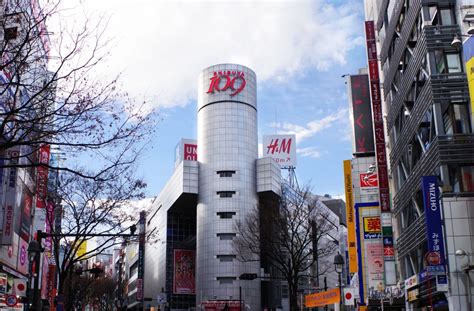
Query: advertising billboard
{"x": 375, "y": 270}
{"x": 325, "y": 298}
{"x": 25, "y": 214}
{"x": 281, "y": 148}
{"x": 351, "y": 235}
{"x": 362, "y": 114}
{"x": 381, "y": 157}
{"x": 42, "y": 177}
{"x": 184, "y": 271}
{"x": 435, "y": 256}
{"x": 10, "y": 216}
{"x": 186, "y": 149}
{"x": 372, "y": 228}
{"x": 368, "y": 183}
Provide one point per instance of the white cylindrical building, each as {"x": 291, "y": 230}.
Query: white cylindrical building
{"x": 227, "y": 151}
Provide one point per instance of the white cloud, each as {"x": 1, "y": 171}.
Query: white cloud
{"x": 162, "y": 45}
{"x": 303, "y": 132}
{"x": 310, "y": 152}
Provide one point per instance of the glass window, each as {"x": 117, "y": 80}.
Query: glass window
{"x": 226, "y": 215}
{"x": 225, "y": 194}
{"x": 456, "y": 119}
{"x": 446, "y": 16}
{"x": 462, "y": 178}
{"x": 225, "y": 173}
{"x": 226, "y": 236}
{"x": 226, "y": 279}
{"x": 439, "y": 59}
{"x": 226, "y": 258}
{"x": 454, "y": 62}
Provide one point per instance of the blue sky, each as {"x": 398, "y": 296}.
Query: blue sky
{"x": 298, "y": 49}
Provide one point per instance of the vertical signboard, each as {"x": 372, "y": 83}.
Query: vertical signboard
{"x": 375, "y": 270}
{"x": 9, "y": 222}
{"x": 468, "y": 56}
{"x": 435, "y": 257}
{"x": 141, "y": 256}
{"x": 351, "y": 235}
{"x": 184, "y": 271}
{"x": 362, "y": 114}
{"x": 42, "y": 177}
{"x": 281, "y": 148}
{"x": 380, "y": 151}
{"x": 381, "y": 157}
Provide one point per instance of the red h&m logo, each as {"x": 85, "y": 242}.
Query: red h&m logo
{"x": 276, "y": 147}
{"x": 234, "y": 80}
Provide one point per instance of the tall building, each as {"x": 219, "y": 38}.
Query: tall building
{"x": 190, "y": 260}
{"x": 428, "y": 119}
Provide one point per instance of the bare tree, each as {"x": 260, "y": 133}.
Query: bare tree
{"x": 90, "y": 208}
{"x": 50, "y": 95}
{"x": 289, "y": 238}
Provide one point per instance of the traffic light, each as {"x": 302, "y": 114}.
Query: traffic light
{"x": 248, "y": 276}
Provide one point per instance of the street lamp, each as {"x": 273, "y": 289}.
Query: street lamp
{"x": 338, "y": 266}
{"x": 34, "y": 251}
{"x": 466, "y": 268}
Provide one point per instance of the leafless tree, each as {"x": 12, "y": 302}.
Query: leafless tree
{"x": 90, "y": 208}
{"x": 51, "y": 95}
{"x": 290, "y": 238}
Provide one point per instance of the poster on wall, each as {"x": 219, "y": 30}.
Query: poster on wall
{"x": 375, "y": 269}
{"x": 184, "y": 271}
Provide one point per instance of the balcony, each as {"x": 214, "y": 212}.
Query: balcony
{"x": 412, "y": 237}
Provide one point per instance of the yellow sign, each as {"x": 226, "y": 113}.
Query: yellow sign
{"x": 81, "y": 248}
{"x": 468, "y": 52}
{"x": 350, "y": 219}
{"x": 372, "y": 225}
{"x": 329, "y": 297}
{"x": 412, "y": 295}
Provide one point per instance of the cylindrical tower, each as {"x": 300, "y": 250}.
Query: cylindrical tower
{"x": 227, "y": 150}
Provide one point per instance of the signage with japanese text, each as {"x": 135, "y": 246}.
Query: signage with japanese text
{"x": 372, "y": 228}
{"x": 351, "y": 234}
{"x": 42, "y": 177}
{"x": 434, "y": 231}
{"x": 328, "y": 297}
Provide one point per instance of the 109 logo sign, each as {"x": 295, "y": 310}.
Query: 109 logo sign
{"x": 232, "y": 79}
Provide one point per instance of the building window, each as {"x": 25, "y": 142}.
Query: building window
{"x": 226, "y": 279}
{"x": 11, "y": 33}
{"x": 225, "y": 173}
{"x": 225, "y": 194}
{"x": 226, "y": 258}
{"x": 456, "y": 119}
{"x": 447, "y": 62}
{"x": 226, "y": 236}
{"x": 461, "y": 178}
{"x": 226, "y": 215}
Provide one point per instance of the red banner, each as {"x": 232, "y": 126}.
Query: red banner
{"x": 184, "y": 270}
{"x": 381, "y": 156}
{"x": 42, "y": 177}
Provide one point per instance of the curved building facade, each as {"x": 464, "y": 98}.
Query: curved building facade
{"x": 227, "y": 154}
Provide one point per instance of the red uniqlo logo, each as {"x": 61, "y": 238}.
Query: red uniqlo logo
{"x": 368, "y": 180}
{"x": 190, "y": 152}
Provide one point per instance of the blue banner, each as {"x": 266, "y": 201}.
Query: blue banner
{"x": 435, "y": 256}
